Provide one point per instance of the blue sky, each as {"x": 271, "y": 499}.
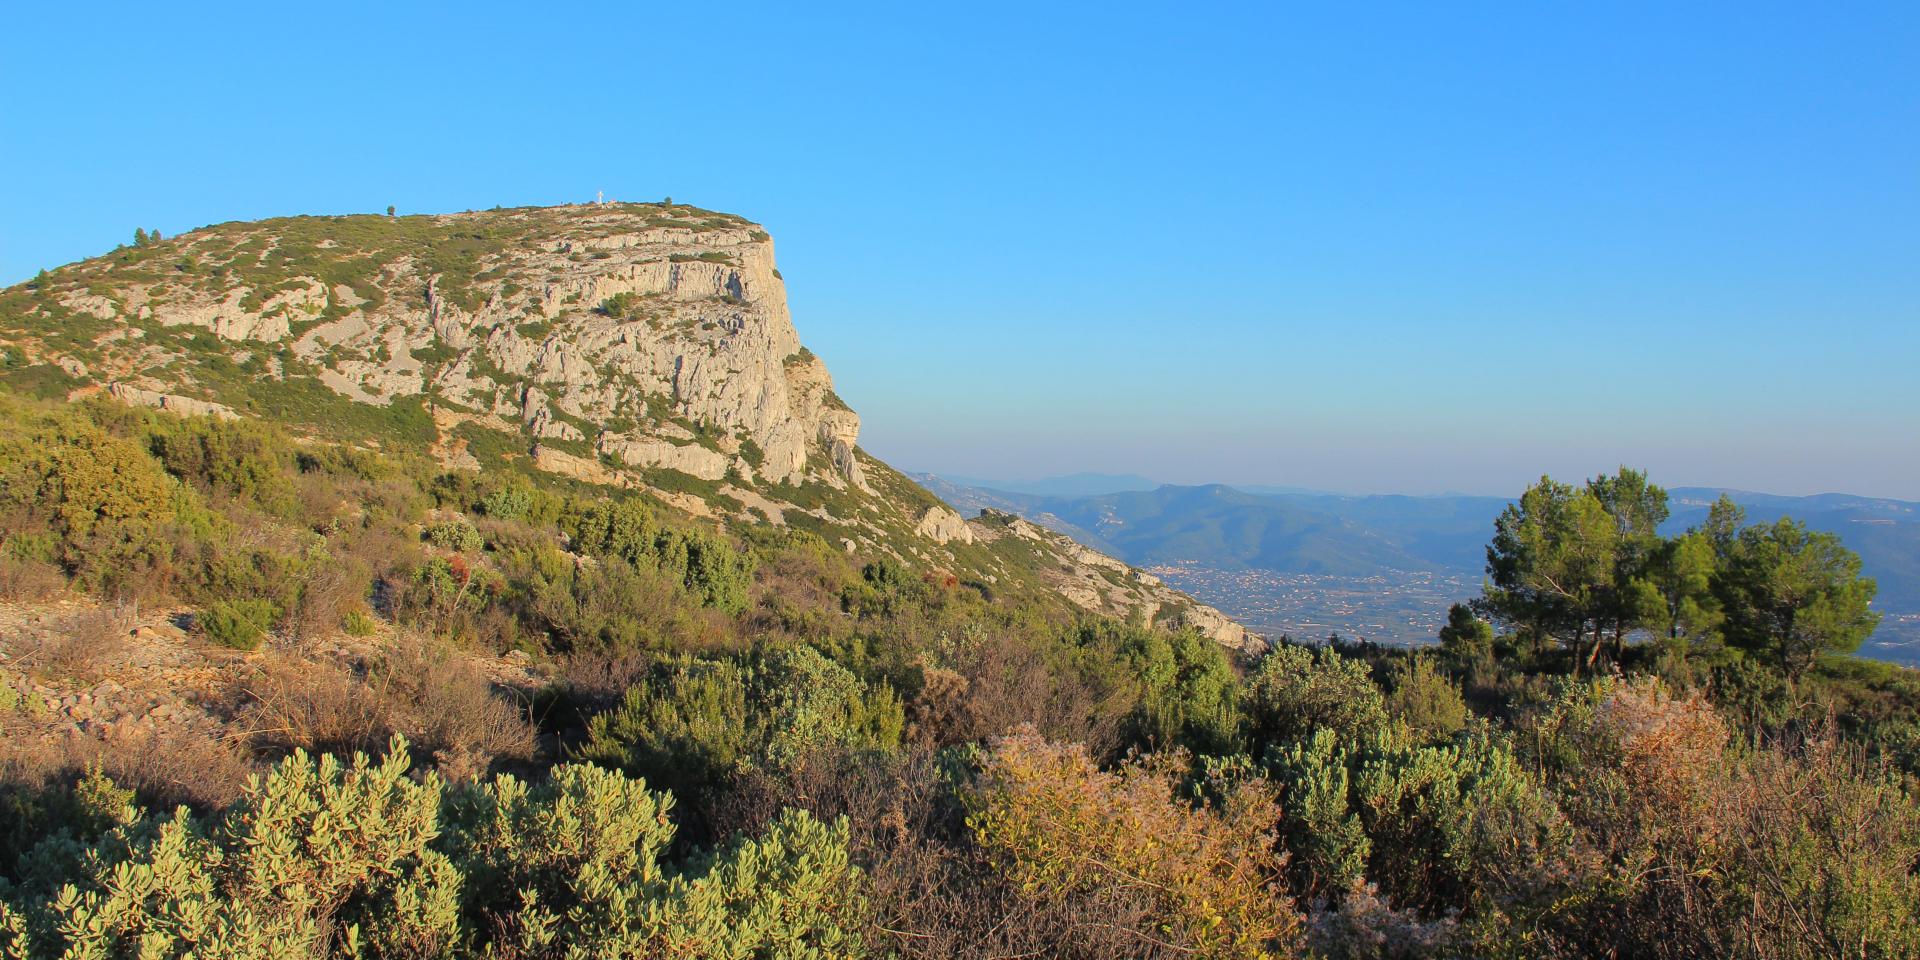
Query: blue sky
{"x": 1412, "y": 248}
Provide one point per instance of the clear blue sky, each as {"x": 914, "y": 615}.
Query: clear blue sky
{"x": 1410, "y": 248}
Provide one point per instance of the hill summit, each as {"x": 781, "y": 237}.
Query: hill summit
{"x": 640, "y": 346}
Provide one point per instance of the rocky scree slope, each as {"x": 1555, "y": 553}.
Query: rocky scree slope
{"x": 644, "y": 346}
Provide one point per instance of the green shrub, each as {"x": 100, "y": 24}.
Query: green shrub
{"x": 1329, "y": 844}
{"x": 620, "y": 306}
{"x": 358, "y": 623}
{"x": 1424, "y": 701}
{"x": 101, "y": 499}
{"x": 237, "y": 458}
{"x": 328, "y": 859}
{"x": 1296, "y": 691}
{"x": 238, "y": 624}
{"x": 714, "y": 572}
{"x": 693, "y": 722}
{"x": 508, "y": 503}
{"x": 1188, "y": 694}
{"x": 455, "y": 535}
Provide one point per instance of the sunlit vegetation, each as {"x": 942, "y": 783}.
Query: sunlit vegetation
{"x": 746, "y": 742}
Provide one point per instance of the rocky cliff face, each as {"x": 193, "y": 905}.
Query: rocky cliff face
{"x": 653, "y": 336}
{"x": 625, "y": 345}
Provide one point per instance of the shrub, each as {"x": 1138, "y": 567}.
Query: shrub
{"x": 100, "y": 497}
{"x": 574, "y": 863}
{"x": 709, "y": 567}
{"x": 1296, "y": 691}
{"x": 29, "y": 579}
{"x": 607, "y": 607}
{"x": 245, "y": 459}
{"x": 508, "y": 503}
{"x": 695, "y": 721}
{"x": 1457, "y": 826}
{"x": 456, "y": 535}
{"x": 76, "y": 645}
{"x": 448, "y": 706}
{"x": 321, "y": 707}
{"x": 324, "y": 858}
{"x": 358, "y": 623}
{"x": 1329, "y": 843}
{"x": 1424, "y": 700}
{"x": 442, "y": 702}
{"x": 238, "y": 624}
{"x": 1188, "y": 693}
{"x": 1208, "y": 877}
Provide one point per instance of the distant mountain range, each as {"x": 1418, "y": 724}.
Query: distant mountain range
{"x": 1070, "y": 485}
{"x": 1228, "y": 529}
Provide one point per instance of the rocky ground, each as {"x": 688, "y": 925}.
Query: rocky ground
{"x": 149, "y": 675}
{"x": 84, "y": 683}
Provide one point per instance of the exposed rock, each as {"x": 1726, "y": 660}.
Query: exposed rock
{"x": 187, "y": 406}
{"x": 1219, "y": 627}
{"x": 579, "y": 468}
{"x": 228, "y": 317}
{"x": 96, "y": 305}
{"x": 688, "y": 458}
{"x": 942, "y": 525}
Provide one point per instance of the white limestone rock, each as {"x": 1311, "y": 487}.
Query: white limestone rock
{"x": 942, "y": 525}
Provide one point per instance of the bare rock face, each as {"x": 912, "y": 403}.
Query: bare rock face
{"x": 1218, "y": 626}
{"x": 942, "y": 525}
{"x": 185, "y": 406}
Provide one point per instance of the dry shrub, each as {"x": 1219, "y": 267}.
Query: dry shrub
{"x": 1001, "y": 683}
{"x": 1364, "y": 926}
{"x": 310, "y": 705}
{"x": 1208, "y": 877}
{"x": 799, "y": 592}
{"x": 934, "y": 893}
{"x": 78, "y": 644}
{"x": 321, "y": 502}
{"x": 1820, "y": 855}
{"x": 30, "y": 581}
{"x": 1795, "y": 850}
{"x": 438, "y": 699}
{"x": 332, "y": 591}
{"x": 595, "y": 680}
{"x": 386, "y": 553}
{"x": 452, "y": 710}
{"x": 1672, "y": 748}
{"x": 166, "y": 766}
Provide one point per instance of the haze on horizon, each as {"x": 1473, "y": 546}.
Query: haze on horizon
{"x": 1393, "y": 249}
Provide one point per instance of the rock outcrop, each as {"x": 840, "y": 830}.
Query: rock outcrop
{"x": 943, "y": 526}
{"x": 172, "y": 403}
